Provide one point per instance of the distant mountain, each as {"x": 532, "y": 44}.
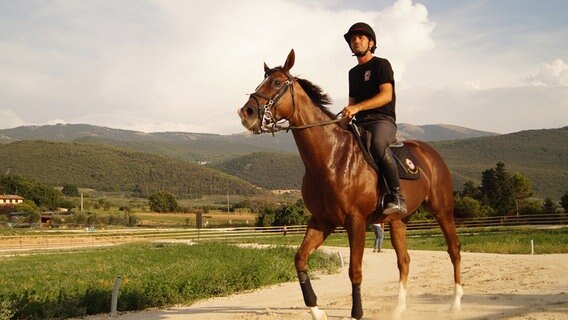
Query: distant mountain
{"x": 110, "y": 169}
{"x": 201, "y": 147}
{"x": 107, "y": 159}
{"x": 438, "y": 132}
{"x": 73, "y": 132}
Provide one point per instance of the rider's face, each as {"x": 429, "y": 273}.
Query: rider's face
{"x": 359, "y": 43}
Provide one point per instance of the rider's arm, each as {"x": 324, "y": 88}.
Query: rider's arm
{"x": 379, "y": 100}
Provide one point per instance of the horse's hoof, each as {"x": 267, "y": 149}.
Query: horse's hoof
{"x": 455, "y": 308}
{"x": 318, "y": 314}
{"x": 458, "y": 294}
{"x": 397, "y": 312}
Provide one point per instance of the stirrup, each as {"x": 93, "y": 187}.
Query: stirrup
{"x": 395, "y": 204}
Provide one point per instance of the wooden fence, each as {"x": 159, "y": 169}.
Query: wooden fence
{"x": 89, "y": 237}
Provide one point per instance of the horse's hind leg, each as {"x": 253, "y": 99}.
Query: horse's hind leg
{"x": 448, "y": 226}
{"x": 315, "y": 235}
{"x": 398, "y": 240}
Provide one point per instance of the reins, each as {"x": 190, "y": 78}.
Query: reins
{"x": 269, "y": 122}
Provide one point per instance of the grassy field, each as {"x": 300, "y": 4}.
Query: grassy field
{"x": 79, "y": 282}
{"x": 213, "y": 218}
{"x": 512, "y": 240}
{"x": 73, "y": 284}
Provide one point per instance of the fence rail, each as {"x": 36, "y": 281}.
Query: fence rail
{"x": 69, "y": 239}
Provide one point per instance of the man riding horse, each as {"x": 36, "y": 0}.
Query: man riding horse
{"x": 372, "y": 101}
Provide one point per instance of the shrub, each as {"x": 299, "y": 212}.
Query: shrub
{"x": 163, "y": 202}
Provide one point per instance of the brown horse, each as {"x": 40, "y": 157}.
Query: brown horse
{"x": 340, "y": 188}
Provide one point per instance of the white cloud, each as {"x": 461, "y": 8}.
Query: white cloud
{"x": 8, "y": 119}
{"x": 404, "y": 32}
{"x": 187, "y": 66}
{"x": 550, "y": 74}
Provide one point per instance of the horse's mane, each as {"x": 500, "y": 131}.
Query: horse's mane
{"x": 317, "y": 95}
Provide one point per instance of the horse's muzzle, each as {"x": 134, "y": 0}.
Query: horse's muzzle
{"x": 250, "y": 118}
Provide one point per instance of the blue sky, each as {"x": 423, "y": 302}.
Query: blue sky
{"x": 173, "y": 65}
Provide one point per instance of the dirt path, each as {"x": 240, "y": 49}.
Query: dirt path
{"x": 496, "y": 287}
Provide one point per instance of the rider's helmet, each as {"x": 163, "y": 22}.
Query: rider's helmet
{"x": 361, "y": 28}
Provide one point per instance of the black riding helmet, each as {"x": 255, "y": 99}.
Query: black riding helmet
{"x": 361, "y": 28}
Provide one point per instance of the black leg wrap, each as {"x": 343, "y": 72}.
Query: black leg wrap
{"x": 357, "y": 310}
{"x": 310, "y": 298}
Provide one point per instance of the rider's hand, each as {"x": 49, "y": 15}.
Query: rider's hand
{"x": 350, "y": 111}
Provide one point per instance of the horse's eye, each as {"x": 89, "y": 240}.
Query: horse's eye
{"x": 277, "y": 83}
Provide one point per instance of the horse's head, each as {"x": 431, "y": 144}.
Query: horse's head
{"x": 270, "y": 103}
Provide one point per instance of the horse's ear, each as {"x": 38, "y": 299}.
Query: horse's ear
{"x": 266, "y": 68}
{"x": 290, "y": 60}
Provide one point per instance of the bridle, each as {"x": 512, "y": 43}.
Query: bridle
{"x": 269, "y": 123}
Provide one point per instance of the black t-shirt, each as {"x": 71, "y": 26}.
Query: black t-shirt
{"x": 364, "y": 82}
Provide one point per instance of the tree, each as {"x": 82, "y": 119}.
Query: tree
{"x": 468, "y": 207}
{"x": 548, "y": 206}
{"x": 284, "y": 215}
{"x": 163, "y": 202}
{"x": 470, "y": 190}
{"x": 564, "y": 201}
{"x": 531, "y": 206}
{"x": 42, "y": 195}
{"x": 70, "y": 190}
{"x": 27, "y": 206}
{"x": 502, "y": 191}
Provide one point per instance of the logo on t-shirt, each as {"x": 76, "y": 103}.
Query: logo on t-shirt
{"x": 367, "y": 75}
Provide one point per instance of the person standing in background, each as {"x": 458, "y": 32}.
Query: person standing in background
{"x": 378, "y": 229}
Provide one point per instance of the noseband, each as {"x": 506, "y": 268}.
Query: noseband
{"x": 269, "y": 123}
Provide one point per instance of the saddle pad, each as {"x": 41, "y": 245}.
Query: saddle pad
{"x": 407, "y": 164}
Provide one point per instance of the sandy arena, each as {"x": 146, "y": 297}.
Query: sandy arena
{"x": 496, "y": 287}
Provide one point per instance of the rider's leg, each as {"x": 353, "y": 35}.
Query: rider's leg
{"x": 390, "y": 172}
{"x": 383, "y": 134}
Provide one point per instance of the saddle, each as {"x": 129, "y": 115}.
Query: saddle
{"x": 406, "y": 162}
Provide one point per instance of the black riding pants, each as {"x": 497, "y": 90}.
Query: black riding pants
{"x": 383, "y": 132}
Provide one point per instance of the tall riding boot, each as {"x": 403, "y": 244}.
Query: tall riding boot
{"x": 394, "y": 201}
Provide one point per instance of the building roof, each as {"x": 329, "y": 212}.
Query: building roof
{"x": 10, "y": 197}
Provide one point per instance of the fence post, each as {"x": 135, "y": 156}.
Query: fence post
{"x": 115, "y": 291}
{"x": 341, "y": 259}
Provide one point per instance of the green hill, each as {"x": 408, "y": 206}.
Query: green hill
{"x": 271, "y": 171}
{"x": 109, "y": 169}
{"x": 539, "y": 155}
{"x": 111, "y": 159}
{"x": 199, "y": 147}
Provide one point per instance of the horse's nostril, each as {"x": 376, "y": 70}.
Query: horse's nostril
{"x": 249, "y": 111}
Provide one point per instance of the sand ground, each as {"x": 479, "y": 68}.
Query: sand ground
{"x": 496, "y": 287}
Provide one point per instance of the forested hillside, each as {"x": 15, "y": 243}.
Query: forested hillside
{"x": 539, "y": 155}
{"x": 267, "y": 170}
{"x": 110, "y": 169}
{"x": 194, "y": 147}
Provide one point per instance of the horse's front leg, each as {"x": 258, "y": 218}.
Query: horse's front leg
{"x": 315, "y": 235}
{"x": 355, "y": 226}
{"x": 398, "y": 240}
